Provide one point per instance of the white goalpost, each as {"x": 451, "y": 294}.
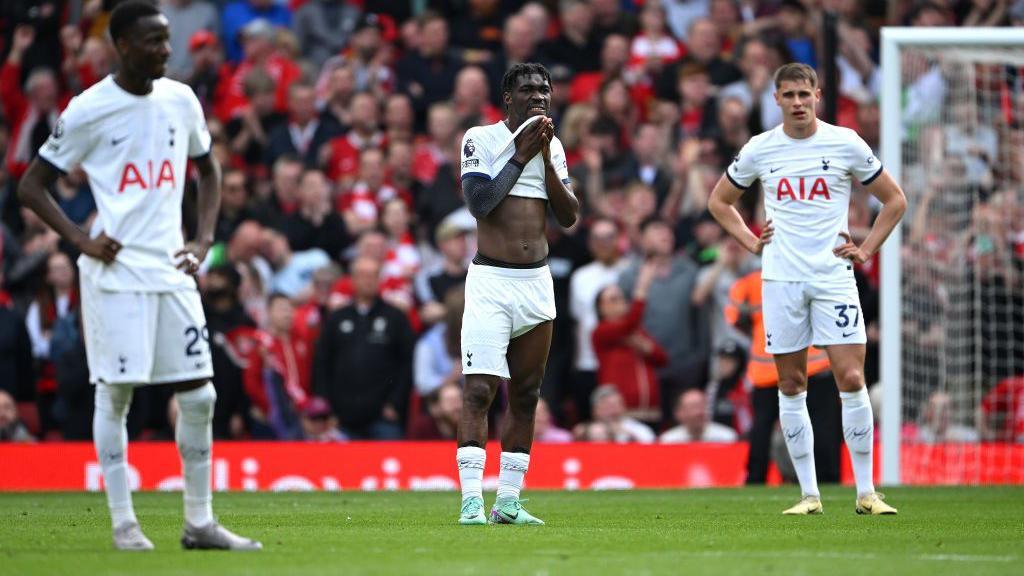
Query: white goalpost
{"x": 952, "y": 133}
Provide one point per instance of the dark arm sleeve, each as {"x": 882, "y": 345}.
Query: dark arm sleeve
{"x": 483, "y": 195}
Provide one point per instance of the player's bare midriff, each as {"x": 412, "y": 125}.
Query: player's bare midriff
{"x": 514, "y": 231}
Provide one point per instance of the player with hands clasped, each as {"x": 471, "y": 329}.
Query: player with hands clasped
{"x": 134, "y": 133}
{"x": 810, "y": 297}
{"x": 511, "y": 172}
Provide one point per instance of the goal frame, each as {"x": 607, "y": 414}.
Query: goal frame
{"x": 894, "y": 38}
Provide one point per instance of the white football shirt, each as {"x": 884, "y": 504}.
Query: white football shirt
{"x": 135, "y": 151}
{"x": 807, "y": 196}
{"x": 487, "y": 149}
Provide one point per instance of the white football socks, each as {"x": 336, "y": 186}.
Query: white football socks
{"x": 510, "y": 477}
{"x": 471, "y": 461}
{"x": 110, "y": 437}
{"x": 796, "y": 428}
{"x": 194, "y": 435}
{"x": 859, "y": 432}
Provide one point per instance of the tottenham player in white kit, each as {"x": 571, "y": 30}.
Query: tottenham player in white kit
{"x": 512, "y": 171}
{"x": 806, "y": 168}
{"x": 133, "y": 133}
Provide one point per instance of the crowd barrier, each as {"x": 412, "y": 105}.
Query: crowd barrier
{"x": 275, "y": 466}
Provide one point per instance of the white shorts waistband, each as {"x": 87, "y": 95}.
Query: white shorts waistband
{"x": 509, "y": 273}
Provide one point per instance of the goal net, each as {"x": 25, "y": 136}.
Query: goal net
{"x": 953, "y": 276}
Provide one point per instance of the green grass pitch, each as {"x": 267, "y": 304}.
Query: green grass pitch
{"x": 686, "y": 532}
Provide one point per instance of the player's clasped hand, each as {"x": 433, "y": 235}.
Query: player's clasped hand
{"x": 531, "y": 140}
{"x": 850, "y": 251}
{"x": 102, "y": 247}
{"x": 765, "y": 238}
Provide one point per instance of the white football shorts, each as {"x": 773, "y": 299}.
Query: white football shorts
{"x": 800, "y": 314}
{"x": 502, "y": 304}
{"x": 142, "y": 338}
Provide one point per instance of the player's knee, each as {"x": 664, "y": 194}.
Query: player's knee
{"x": 113, "y": 400}
{"x": 792, "y": 384}
{"x": 196, "y": 406}
{"x": 524, "y": 402}
{"x": 850, "y": 379}
{"x": 476, "y": 396}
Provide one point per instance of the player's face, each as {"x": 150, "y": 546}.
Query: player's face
{"x": 530, "y": 97}
{"x": 146, "y": 47}
{"x": 798, "y": 100}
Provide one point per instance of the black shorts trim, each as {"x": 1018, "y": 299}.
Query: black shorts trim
{"x": 481, "y": 260}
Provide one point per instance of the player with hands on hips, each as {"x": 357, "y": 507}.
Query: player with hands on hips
{"x": 134, "y": 133}
{"x": 805, "y": 167}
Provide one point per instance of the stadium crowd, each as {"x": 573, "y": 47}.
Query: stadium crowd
{"x": 333, "y": 292}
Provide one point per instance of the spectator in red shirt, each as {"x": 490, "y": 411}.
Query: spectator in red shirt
{"x": 440, "y": 147}
{"x": 697, "y": 111}
{"x": 208, "y": 67}
{"x": 627, "y": 355}
{"x": 1002, "y": 411}
{"x": 343, "y": 152}
{"x": 277, "y": 378}
{"x": 32, "y": 113}
{"x": 260, "y": 52}
{"x": 652, "y": 48}
{"x": 360, "y": 205}
{"x": 614, "y": 58}
{"x": 308, "y": 315}
{"x": 403, "y": 254}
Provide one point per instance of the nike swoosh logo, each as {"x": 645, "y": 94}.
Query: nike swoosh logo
{"x": 772, "y": 170}
{"x": 845, "y": 335}
{"x": 116, "y": 141}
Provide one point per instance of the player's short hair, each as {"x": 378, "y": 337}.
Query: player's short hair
{"x": 795, "y": 72}
{"x": 126, "y": 14}
{"x": 508, "y": 81}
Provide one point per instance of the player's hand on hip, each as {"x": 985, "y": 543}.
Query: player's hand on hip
{"x": 191, "y": 255}
{"x": 850, "y": 251}
{"x": 102, "y": 248}
{"x": 530, "y": 141}
{"x": 765, "y": 238}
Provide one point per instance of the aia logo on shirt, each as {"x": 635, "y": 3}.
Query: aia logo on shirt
{"x": 146, "y": 176}
{"x": 819, "y": 188}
